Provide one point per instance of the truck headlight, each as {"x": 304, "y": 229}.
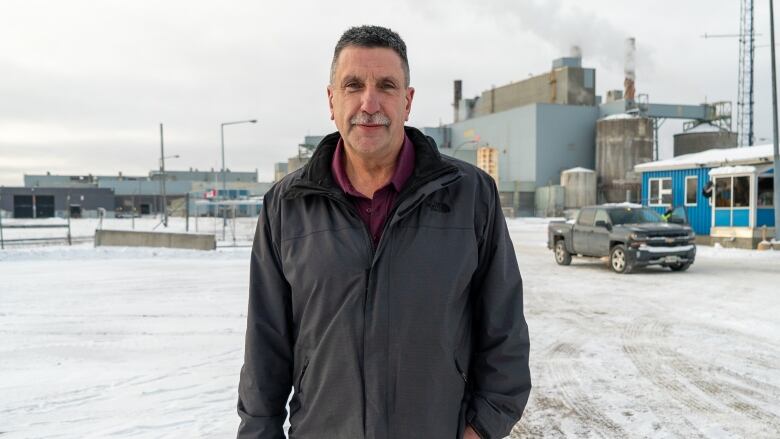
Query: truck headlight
{"x": 637, "y": 237}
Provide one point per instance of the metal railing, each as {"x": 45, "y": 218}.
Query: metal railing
{"x": 3, "y": 241}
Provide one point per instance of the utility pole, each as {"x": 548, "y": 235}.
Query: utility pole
{"x": 776, "y": 176}
{"x": 2, "y": 243}
{"x": 162, "y": 179}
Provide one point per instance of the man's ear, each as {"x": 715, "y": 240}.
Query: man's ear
{"x": 330, "y": 101}
{"x": 409, "y": 97}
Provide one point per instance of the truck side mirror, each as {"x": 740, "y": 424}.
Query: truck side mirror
{"x": 604, "y": 224}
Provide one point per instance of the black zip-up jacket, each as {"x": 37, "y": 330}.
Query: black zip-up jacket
{"x": 413, "y": 339}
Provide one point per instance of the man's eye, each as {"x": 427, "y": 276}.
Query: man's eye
{"x": 352, "y": 86}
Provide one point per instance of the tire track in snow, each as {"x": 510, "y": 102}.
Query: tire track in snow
{"x": 681, "y": 377}
{"x": 561, "y": 370}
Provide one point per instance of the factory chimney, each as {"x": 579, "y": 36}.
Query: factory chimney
{"x": 629, "y": 84}
{"x": 576, "y": 52}
{"x": 457, "y": 94}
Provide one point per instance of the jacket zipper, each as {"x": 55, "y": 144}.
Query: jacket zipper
{"x": 373, "y": 251}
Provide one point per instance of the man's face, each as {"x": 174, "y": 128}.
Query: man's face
{"x": 369, "y": 100}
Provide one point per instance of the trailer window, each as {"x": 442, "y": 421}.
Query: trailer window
{"x": 765, "y": 192}
{"x": 660, "y": 192}
{"x": 742, "y": 191}
{"x": 723, "y": 192}
{"x": 691, "y": 190}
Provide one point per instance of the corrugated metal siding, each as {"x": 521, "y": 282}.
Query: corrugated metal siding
{"x": 700, "y": 215}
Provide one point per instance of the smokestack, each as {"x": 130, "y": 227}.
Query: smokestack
{"x": 629, "y": 85}
{"x": 457, "y": 94}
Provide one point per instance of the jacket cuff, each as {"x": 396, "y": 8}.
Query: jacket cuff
{"x": 261, "y": 427}
{"x": 486, "y": 421}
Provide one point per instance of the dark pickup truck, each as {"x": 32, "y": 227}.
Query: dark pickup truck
{"x": 630, "y": 235}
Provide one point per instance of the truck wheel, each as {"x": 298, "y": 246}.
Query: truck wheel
{"x": 682, "y": 266}
{"x": 618, "y": 260}
{"x": 562, "y": 256}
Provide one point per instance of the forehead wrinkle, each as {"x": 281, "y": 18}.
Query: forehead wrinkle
{"x": 367, "y": 62}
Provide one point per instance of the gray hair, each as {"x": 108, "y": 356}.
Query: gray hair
{"x": 371, "y": 37}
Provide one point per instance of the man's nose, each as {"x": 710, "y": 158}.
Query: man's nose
{"x": 369, "y": 101}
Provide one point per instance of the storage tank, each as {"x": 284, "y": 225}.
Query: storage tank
{"x": 622, "y": 142}
{"x": 692, "y": 142}
{"x": 579, "y": 186}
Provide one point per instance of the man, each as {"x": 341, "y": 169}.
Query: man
{"x": 384, "y": 288}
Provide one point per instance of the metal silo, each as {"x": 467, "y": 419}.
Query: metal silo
{"x": 692, "y": 142}
{"x": 622, "y": 142}
{"x": 579, "y": 185}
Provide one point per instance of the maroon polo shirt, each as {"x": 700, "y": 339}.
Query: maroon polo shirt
{"x": 374, "y": 211}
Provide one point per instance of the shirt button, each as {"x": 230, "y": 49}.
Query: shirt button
{"x": 368, "y": 210}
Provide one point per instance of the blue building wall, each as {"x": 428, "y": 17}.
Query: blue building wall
{"x": 699, "y": 215}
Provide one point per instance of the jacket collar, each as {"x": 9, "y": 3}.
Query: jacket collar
{"x": 316, "y": 176}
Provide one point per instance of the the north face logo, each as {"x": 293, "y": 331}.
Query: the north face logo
{"x": 438, "y": 207}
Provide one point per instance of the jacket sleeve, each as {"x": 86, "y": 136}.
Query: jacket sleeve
{"x": 499, "y": 370}
{"x": 266, "y": 376}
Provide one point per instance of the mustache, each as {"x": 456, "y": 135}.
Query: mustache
{"x": 370, "y": 119}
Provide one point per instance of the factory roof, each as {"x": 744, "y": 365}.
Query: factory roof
{"x": 713, "y": 158}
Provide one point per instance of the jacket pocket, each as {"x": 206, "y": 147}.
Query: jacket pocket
{"x": 298, "y": 388}
{"x": 463, "y": 375}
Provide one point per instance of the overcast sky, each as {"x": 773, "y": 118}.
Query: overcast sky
{"x": 85, "y": 84}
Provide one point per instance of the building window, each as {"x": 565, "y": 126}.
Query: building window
{"x": 732, "y": 191}
{"x": 742, "y": 191}
{"x": 660, "y": 192}
{"x": 765, "y": 192}
{"x": 723, "y": 192}
{"x": 691, "y": 190}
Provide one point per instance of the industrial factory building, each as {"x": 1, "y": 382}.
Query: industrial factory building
{"x": 299, "y": 160}
{"x": 48, "y": 195}
{"x": 527, "y": 133}
{"x": 50, "y": 202}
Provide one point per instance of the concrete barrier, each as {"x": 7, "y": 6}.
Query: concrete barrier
{"x": 129, "y": 238}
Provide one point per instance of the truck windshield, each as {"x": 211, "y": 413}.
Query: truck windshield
{"x": 634, "y": 216}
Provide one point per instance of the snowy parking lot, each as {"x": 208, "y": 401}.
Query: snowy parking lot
{"x": 148, "y": 343}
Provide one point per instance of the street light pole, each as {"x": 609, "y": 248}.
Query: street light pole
{"x": 776, "y": 176}
{"x": 163, "y": 194}
{"x": 224, "y": 178}
{"x": 162, "y": 179}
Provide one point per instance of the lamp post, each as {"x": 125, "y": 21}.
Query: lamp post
{"x": 162, "y": 186}
{"x": 224, "y": 179}
{"x": 162, "y": 178}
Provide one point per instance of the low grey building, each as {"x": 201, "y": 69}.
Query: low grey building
{"x": 142, "y": 195}
{"x": 50, "y": 202}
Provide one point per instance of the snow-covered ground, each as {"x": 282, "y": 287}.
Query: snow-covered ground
{"x": 131, "y": 343}
{"x": 239, "y": 231}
